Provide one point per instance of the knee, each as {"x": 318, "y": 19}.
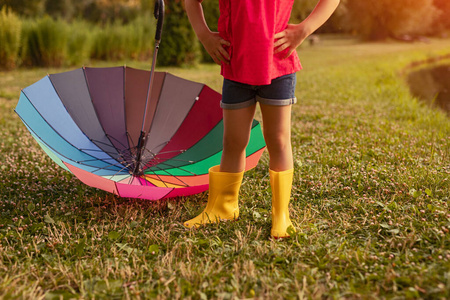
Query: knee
{"x": 278, "y": 142}
{"x": 234, "y": 144}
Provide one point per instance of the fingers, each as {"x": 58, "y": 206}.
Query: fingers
{"x": 280, "y": 39}
{"x": 214, "y": 45}
{"x": 222, "y": 51}
{"x": 216, "y": 60}
{"x": 219, "y": 59}
{"x": 288, "y": 40}
{"x": 289, "y": 53}
{"x": 224, "y": 54}
{"x": 279, "y": 42}
{"x": 220, "y": 55}
{"x": 281, "y": 48}
{"x": 226, "y": 43}
{"x": 280, "y": 35}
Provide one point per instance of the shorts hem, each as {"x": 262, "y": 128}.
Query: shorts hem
{"x": 277, "y": 102}
{"x": 239, "y": 105}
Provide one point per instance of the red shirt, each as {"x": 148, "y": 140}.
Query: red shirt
{"x": 250, "y": 26}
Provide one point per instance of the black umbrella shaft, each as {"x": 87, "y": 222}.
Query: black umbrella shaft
{"x": 150, "y": 84}
{"x": 139, "y": 151}
{"x": 143, "y": 136}
{"x": 159, "y": 15}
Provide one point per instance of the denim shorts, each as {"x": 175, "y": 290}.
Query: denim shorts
{"x": 281, "y": 91}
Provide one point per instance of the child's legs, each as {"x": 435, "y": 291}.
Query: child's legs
{"x": 277, "y": 134}
{"x": 238, "y": 102}
{"x": 276, "y": 102}
{"x": 237, "y": 128}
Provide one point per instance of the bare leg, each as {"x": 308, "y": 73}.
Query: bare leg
{"x": 237, "y": 127}
{"x": 277, "y": 134}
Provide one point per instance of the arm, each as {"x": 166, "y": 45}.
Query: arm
{"x": 212, "y": 42}
{"x": 294, "y": 34}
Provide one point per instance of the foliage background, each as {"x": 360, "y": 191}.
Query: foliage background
{"x": 123, "y": 29}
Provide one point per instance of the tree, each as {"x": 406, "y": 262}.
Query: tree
{"x": 212, "y": 13}
{"x": 59, "y": 8}
{"x": 443, "y": 22}
{"x": 179, "y": 46}
{"x": 28, "y": 8}
{"x": 301, "y": 9}
{"x": 10, "y": 31}
{"x": 380, "y": 19}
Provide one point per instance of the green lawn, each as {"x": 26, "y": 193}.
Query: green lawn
{"x": 370, "y": 201}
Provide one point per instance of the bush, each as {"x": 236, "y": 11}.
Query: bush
{"x": 141, "y": 32}
{"x": 301, "y": 10}
{"x": 212, "y": 12}
{"x": 442, "y": 23}
{"x": 52, "y": 37}
{"x": 179, "y": 45}
{"x": 10, "y": 30}
{"x": 79, "y": 42}
{"x": 109, "y": 42}
{"x": 29, "y": 8}
{"x": 29, "y": 51}
{"x": 59, "y": 8}
{"x": 382, "y": 19}
{"x": 117, "y": 41}
{"x": 45, "y": 42}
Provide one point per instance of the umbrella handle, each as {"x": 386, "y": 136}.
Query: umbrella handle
{"x": 159, "y": 15}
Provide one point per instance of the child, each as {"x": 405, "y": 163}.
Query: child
{"x": 256, "y": 47}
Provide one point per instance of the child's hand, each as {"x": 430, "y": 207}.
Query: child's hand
{"x": 213, "y": 44}
{"x": 290, "y": 38}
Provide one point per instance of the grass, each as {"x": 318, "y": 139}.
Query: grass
{"x": 370, "y": 202}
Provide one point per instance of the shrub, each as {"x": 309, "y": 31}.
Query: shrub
{"x": 140, "y": 34}
{"x": 211, "y": 10}
{"x": 385, "y": 18}
{"x": 10, "y": 30}
{"x": 117, "y": 41}
{"x": 29, "y": 52}
{"x": 110, "y": 42}
{"x": 29, "y": 8}
{"x": 103, "y": 40}
{"x": 52, "y": 37}
{"x": 442, "y": 23}
{"x": 60, "y": 8}
{"x": 179, "y": 46}
{"x": 45, "y": 42}
{"x": 79, "y": 42}
{"x": 104, "y": 12}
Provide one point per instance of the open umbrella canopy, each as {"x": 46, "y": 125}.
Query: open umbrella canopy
{"x": 90, "y": 121}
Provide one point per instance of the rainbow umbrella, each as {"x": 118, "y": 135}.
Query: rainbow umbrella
{"x": 134, "y": 133}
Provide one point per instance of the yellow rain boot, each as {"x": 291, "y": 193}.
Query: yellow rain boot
{"x": 222, "y": 199}
{"x": 281, "y": 183}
